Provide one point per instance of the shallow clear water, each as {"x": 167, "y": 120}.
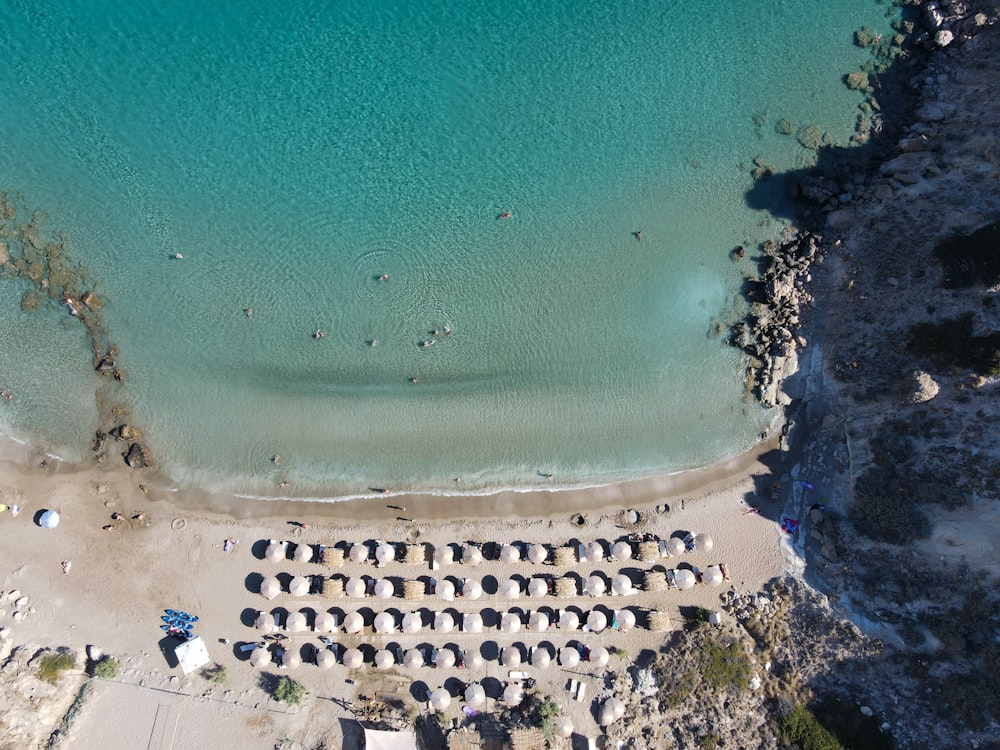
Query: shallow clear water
{"x": 295, "y": 155}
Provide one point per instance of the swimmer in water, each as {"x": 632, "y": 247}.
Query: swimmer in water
{"x": 505, "y": 215}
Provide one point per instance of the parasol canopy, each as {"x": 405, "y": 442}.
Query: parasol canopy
{"x": 472, "y": 555}
{"x": 413, "y": 659}
{"x": 353, "y": 658}
{"x": 325, "y": 623}
{"x": 510, "y": 589}
{"x": 564, "y": 726}
{"x": 412, "y": 622}
{"x": 325, "y": 658}
{"x": 473, "y": 659}
{"x": 384, "y": 588}
{"x": 384, "y": 659}
{"x": 541, "y": 657}
{"x": 612, "y": 710}
{"x": 260, "y": 657}
{"x": 675, "y": 546}
{"x": 355, "y": 588}
{"x": 703, "y": 542}
{"x": 538, "y": 587}
{"x": 599, "y": 656}
{"x": 712, "y": 576}
{"x": 568, "y": 620}
{"x": 444, "y": 622}
{"x": 511, "y": 657}
{"x": 299, "y": 586}
{"x": 569, "y": 656}
{"x": 509, "y": 554}
{"x": 443, "y": 555}
{"x": 270, "y": 587}
{"x": 475, "y": 695}
{"x": 359, "y": 552}
{"x": 353, "y": 622}
{"x": 303, "y": 553}
{"x": 595, "y": 586}
{"x": 625, "y": 619}
{"x": 593, "y": 552}
{"x": 685, "y": 579}
{"x": 510, "y": 622}
{"x": 513, "y": 695}
{"x": 537, "y": 553}
{"x": 440, "y": 699}
{"x": 384, "y": 622}
{"x": 472, "y": 623}
{"x": 264, "y": 622}
{"x": 538, "y": 622}
{"x": 446, "y": 590}
{"x": 296, "y": 622}
{"x": 622, "y": 550}
{"x": 275, "y": 552}
{"x": 444, "y": 658}
{"x": 291, "y": 659}
{"x": 597, "y": 620}
{"x": 472, "y": 589}
{"x": 621, "y": 584}
{"x": 49, "y": 519}
{"x": 386, "y": 553}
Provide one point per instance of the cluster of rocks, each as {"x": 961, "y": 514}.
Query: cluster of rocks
{"x": 19, "y": 603}
{"x": 31, "y": 706}
{"x": 770, "y": 331}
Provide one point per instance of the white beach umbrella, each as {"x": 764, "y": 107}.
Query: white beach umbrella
{"x": 446, "y": 590}
{"x": 472, "y": 623}
{"x": 386, "y": 553}
{"x": 264, "y": 622}
{"x": 444, "y": 658}
{"x": 509, "y": 554}
{"x": 538, "y": 587}
{"x": 353, "y": 658}
{"x": 355, "y": 588}
{"x": 443, "y": 555}
{"x": 510, "y": 589}
{"x": 513, "y": 695}
{"x": 569, "y": 656}
{"x": 296, "y": 622}
{"x": 412, "y": 622}
{"x": 260, "y": 657}
{"x": 440, "y": 699}
{"x": 291, "y": 659}
{"x": 359, "y": 552}
{"x": 537, "y": 553}
{"x": 325, "y": 623}
{"x": 299, "y": 586}
{"x": 303, "y": 553}
{"x": 625, "y": 619}
{"x": 597, "y": 620}
{"x": 413, "y": 659}
{"x": 712, "y": 576}
{"x": 622, "y": 550}
{"x": 568, "y": 620}
{"x": 564, "y": 726}
{"x": 275, "y": 552}
{"x": 599, "y": 656}
{"x": 49, "y": 519}
{"x": 675, "y": 546}
{"x": 685, "y": 579}
{"x": 593, "y": 552}
{"x": 510, "y": 622}
{"x": 612, "y": 710}
{"x": 385, "y": 622}
{"x": 325, "y": 658}
{"x": 443, "y": 622}
{"x": 472, "y": 555}
{"x": 472, "y": 589}
{"x": 538, "y": 622}
{"x": 384, "y": 588}
{"x": 384, "y": 659}
{"x": 270, "y": 587}
{"x": 541, "y": 657}
{"x": 703, "y": 542}
{"x": 353, "y": 622}
{"x": 595, "y": 586}
{"x": 475, "y": 695}
{"x": 511, "y": 657}
{"x": 621, "y": 584}
{"x": 473, "y": 659}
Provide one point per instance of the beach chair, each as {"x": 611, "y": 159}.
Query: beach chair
{"x": 581, "y": 691}
{"x": 581, "y": 552}
{"x": 671, "y": 579}
{"x": 277, "y": 621}
{"x": 663, "y": 548}
{"x": 517, "y": 676}
{"x": 247, "y": 647}
{"x": 574, "y": 687}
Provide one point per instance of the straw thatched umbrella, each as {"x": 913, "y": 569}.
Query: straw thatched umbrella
{"x": 384, "y": 588}
{"x": 510, "y": 589}
{"x": 333, "y": 557}
{"x": 446, "y": 590}
{"x": 443, "y": 555}
{"x": 413, "y": 590}
{"x": 414, "y": 554}
{"x": 703, "y": 543}
{"x": 513, "y": 695}
{"x": 413, "y": 659}
{"x": 569, "y": 656}
{"x": 443, "y": 622}
{"x": 659, "y": 621}
{"x": 510, "y": 622}
{"x": 472, "y": 555}
{"x": 472, "y": 623}
{"x": 333, "y": 588}
{"x": 599, "y": 656}
{"x": 384, "y": 659}
{"x": 654, "y": 580}
{"x": 303, "y": 553}
{"x": 537, "y": 553}
{"x": 597, "y": 620}
{"x": 568, "y": 620}
{"x": 473, "y": 659}
{"x": 475, "y": 695}
{"x": 291, "y": 659}
{"x": 264, "y": 622}
{"x": 563, "y": 556}
{"x": 296, "y": 622}
{"x": 538, "y": 587}
{"x": 412, "y": 622}
{"x": 564, "y": 726}
{"x": 621, "y": 584}
{"x": 675, "y": 546}
{"x": 595, "y": 586}
{"x": 712, "y": 576}
{"x": 299, "y": 586}
{"x": 509, "y": 554}
{"x": 353, "y": 622}
{"x": 325, "y": 623}
{"x": 275, "y": 552}
{"x": 511, "y": 657}
{"x": 472, "y": 589}
{"x": 444, "y": 658}
{"x": 622, "y": 550}
{"x": 685, "y": 579}
{"x": 260, "y": 657}
{"x": 359, "y": 552}
{"x": 325, "y": 659}
{"x": 649, "y": 552}
{"x": 386, "y": 553}
{"x": 593, "y": 552}
{"x": 270, "y": 587}
{"x": 353, "y": 658}
{"x": 440, "y": 699}
{"x": 625, "y": 619}
{"x": 538, "y": 622}
{"x": 385, "y": 622}
{"x": 566, "y": 587}
{"x": 541, "y": 657}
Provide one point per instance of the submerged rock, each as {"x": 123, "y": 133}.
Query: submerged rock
{"x": 138, "y": 456}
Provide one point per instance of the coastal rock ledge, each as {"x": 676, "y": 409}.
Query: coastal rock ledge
{"x": 138, "y": 456}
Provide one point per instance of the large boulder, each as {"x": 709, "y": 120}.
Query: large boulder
{"x": 921, "y": 387}
{"x": 138, "y": 456}
{"x": 911, "y": 163}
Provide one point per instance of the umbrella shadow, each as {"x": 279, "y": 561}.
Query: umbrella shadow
{"x": 259, "y": 548}
{"x": 252, "y": 582}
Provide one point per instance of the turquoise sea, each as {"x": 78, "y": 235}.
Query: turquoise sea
{"x": 295, "y": 152}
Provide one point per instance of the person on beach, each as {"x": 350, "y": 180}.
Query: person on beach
{"x": 66, "y": 565}
{"x": 248, "y": 312}
{"x": 384, "y": 277}
{"x": 639, "y": 235}
{"x": 505, "y": 215}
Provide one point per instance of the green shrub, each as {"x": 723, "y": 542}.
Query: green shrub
{"x": 549, "y": 710}
{"x": 216, "y": 674}
{"x": 800, "y": 727}
{"x": 722, "y": 666}
{"x": 51, "y": 666}
{"x": 951, "y": 343}
{"x": 290, "y": 691}
{"x": 883, "y": 511}
{"x": 107, "y": 668}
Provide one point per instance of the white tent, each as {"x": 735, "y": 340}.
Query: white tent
{"x": 513, "y": 695}
{"x": 597, "y": 620}
{"x": 622, "y": 550}
{"x": 444, "y": 658}
{"x": 385, "y": 622}
{"x": 270, "y": 587}
{"x": 599, "y": 656}
{"x": 49, "y": 519}
{"x": 359, "y": 553}
{"x": 595, "y": 586}
{"x": 475, "y": 695}
{"x": 472, "y": 589}
{"x": 384, "y": 740}
{"x": 621, "y": 584}
{"x": 353, "y": 622}
{"x": 353, "y": 658}
{"x": 384, "y": 659}
{"x": 296, "y": 622}
{"x": 192, "y": 655}
{"x": 472, "y": 622}
{"x": 569, "y": 656}
{"x": 712, "y": 576}
{"x": 412, "y": 622}
{"x": 511, "y": 657}
{"x": 538, "y": 622}
{"x": 538, "y": 587}
{"x": 299, "y": 586}
{"x": 537, "y": 553}
{"x": 445, "y": 590}
{"x": 510, "y": 589}
{"x": 440, "y": 699}
{"x": 510, "y": 622}
{"x": 509, "y": 554}
{"x": 384, "y": 588}
{"x": 325, "y": 658}
{"x": 303, "y": 553}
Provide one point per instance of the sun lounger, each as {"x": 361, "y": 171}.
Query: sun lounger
{"x": 581, "y": 691}
{"x": 671, "y": 579}
{"x": 663, "y": 548}
{"x": 517, "y": 675}
{"x": 581, "y": 551}
{"x": 248, "y": 647}
{"x": 574, "y": 687}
